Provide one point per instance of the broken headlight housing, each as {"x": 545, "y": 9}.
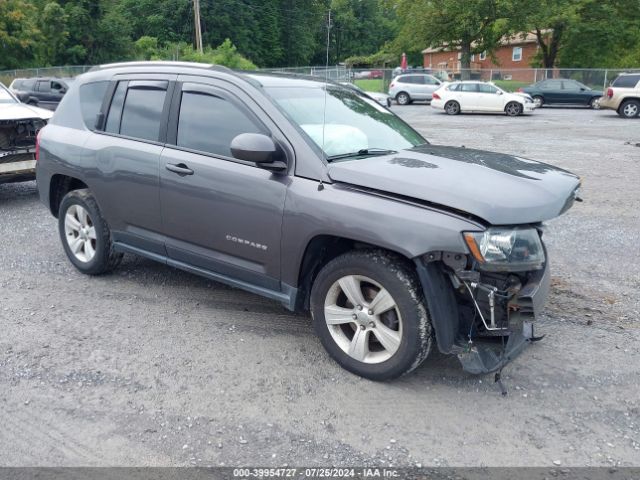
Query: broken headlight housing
{"x": 506, "y": 249}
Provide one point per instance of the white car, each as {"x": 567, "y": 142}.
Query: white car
{"x": 19, "y": 125}
{"x": 474, "y": 96}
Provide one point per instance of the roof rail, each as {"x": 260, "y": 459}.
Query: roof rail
{"x": 167, "y": 63}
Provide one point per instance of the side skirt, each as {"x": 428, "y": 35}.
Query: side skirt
{"x": 288, "y": 299}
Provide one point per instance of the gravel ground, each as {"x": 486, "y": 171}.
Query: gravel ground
{"x": 152, "y": 366}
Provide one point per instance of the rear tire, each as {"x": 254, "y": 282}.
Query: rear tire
{"x": 403, "y": 98}
{"x": 594, "y": 103}
{"x": 391, "y": 333}
{"x": 452, "y": 108}
{"x": 629, "y": 109}
{"x": 513, "y": 109}
{"x": 85, "y": 235}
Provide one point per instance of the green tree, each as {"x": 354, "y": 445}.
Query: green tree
{"x": 19, "y": 35}
{"x": 52, "y": 23}
{"x": 472, "y": 27}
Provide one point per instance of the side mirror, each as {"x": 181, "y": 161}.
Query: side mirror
{"x": 260, "y": 149}
{"x": 582, "y": 89}
{"x": 499, "y": 92}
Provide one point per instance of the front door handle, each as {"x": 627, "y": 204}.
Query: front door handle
{"x": 179, "y": 168}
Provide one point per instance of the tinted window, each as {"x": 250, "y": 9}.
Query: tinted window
{"x": 485, "y": 88}
{"x": 626, "y": 81}
{"x": 404, "y": 79}
{"x": 569, "y": 85}
{"x": 115, "y": 110}
{"x": 551, "y": 85}
{"x": 142, "y": 112}
{"x": 418, "y": 79}
{"x": 209, "y": 123}
{"x": 431, "y": 81}
{"x": 468, "y": 87}
{"x": 56, "y": 85}
{"x": 44, "y": 86}
{"x": 91, "y": 95}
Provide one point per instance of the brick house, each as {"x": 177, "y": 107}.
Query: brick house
{"x": 514, "y": 53}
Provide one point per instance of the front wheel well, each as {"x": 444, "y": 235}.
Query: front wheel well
{"x": 320, "y": 251}
{"x": 59, "y": 186}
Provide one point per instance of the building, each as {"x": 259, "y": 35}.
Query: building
{"x": 514, "y": 53}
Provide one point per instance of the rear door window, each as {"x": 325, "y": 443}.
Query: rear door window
{"x": 142, "y": 111}
{"x": 551, "y": 85}
{"x": 208, "y": 123}
{"x": 486, "y": 88}
{"x": 626, "y": 81}
{"x": 468, "y": 87}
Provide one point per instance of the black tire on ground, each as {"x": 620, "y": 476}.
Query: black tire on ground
{"x": 389, "y": 102}
{"x": 396, "y": 275}
{"x": 513, "y": 109}
{"x": 452, "y": 107}
{"x": 32, "y": 102}
{"x": 105, "y": 258}
{"x": 538, "y": 100}
{"x": 629, "y": 109}
{"x": 403, "y": 98}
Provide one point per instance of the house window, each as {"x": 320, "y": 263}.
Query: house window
{"x": 516, "y": 56}
{"x": 483, "y": 55}
{"x": 473, "y": 58}
{"x": 459, "y": 55}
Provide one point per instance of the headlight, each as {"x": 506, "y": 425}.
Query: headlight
{"x": 513, "y": 249}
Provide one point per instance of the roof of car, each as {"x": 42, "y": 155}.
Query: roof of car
{"x": 266, "y": 79}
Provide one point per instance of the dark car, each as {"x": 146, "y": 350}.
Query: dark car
{"x": 313, "y": 195}
{"x": 41, "y": 92}
{"x": 562, "y": 91}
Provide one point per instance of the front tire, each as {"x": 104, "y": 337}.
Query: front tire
{"x": 629, "y": 109}
{"x": 513, "y": 109}
{"x": 538, "y": 101}
{"x": 85, "y": 235}
{"x": 368, "y": 310}
{"x": 403, "y": 98}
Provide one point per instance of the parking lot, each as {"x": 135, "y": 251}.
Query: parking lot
{"x": 153, "y": 366}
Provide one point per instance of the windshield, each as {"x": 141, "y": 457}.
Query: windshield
{"x": 353, "y": 124}
{"x": 5, "y": 96}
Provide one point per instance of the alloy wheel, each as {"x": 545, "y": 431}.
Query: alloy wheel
{"x": 630, "y": 110}
{"x": 537, "y": 101}
{"x": 363, "y": 319}
{"x": 80, "y": 233}
{"x": 513, "y": 109}
{"x": 452, "y": 108}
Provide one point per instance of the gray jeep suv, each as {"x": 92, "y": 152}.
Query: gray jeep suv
{"x": 313, "y": 195}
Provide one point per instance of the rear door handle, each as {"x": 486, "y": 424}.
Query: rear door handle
{"x": 179, "y": 168}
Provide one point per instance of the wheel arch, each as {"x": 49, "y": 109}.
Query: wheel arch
{"x": 320, "y": 250}
{"x": 625, "y": 99}
{"x": 59, "y": 186}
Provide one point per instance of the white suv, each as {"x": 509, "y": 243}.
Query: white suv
{"x": 623, "y": 95}
{"x": 408, "y": 87}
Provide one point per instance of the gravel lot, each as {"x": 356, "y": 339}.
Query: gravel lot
{"x": 152, "y": 366}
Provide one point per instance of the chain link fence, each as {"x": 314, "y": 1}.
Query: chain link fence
{"x": 378, "y": 79}
{"x": 8, "y": 76}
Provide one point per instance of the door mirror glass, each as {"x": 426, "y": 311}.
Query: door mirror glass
{"x": 257, "y": 148}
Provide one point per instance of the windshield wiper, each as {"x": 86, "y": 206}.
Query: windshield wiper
{"x": 365, "y": 152}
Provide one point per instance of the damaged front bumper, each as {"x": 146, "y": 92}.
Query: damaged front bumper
{"x": 484, "y": 335}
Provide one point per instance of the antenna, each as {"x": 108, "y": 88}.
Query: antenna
{"x": 326, "y": 78}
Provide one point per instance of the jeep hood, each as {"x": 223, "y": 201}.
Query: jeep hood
{"x": 498, "y": 188}
{"x": 21, "y": 111}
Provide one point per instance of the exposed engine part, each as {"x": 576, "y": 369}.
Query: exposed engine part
{"x": 18, "y": 137}
{"x": 491, "y": 293}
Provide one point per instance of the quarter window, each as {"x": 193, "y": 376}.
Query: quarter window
{"x": 516, "y": 56}
{"x": 209, "y": 123}
{"x": 626, "y": 81}
{"x": 91, "y": 95}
